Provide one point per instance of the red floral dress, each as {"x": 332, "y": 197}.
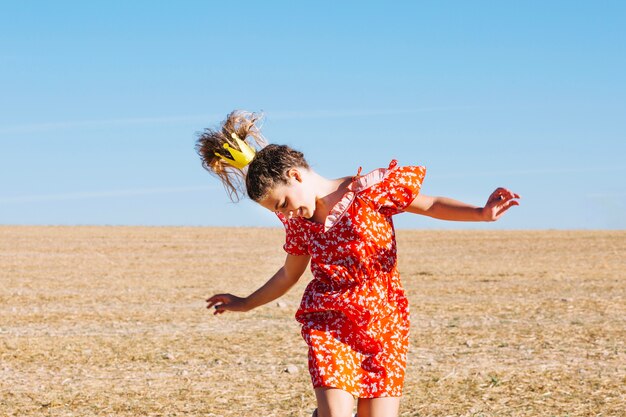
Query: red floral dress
{"x": 354, "y": 313}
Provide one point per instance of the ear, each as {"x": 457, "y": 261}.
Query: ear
{"x": 295, "y": 174}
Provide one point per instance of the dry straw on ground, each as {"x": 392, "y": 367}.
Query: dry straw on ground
{"x": 110, "y": 321}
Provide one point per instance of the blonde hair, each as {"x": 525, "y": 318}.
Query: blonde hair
{"x": 268, "y": 167}
{"x": 211, "y": 142}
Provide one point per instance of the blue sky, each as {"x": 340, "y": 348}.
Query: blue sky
{"x": 101, "y": 102}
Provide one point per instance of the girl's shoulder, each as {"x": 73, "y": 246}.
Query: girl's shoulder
{"x": 390, "y": 190}
{"x": 394, "y": 174}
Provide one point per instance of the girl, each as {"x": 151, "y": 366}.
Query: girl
{"x": 354, "y": 313}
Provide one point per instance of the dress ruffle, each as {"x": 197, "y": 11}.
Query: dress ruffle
{"x": 409, "y": 181}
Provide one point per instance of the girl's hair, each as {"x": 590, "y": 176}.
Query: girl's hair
{"x": 268, "y": 167}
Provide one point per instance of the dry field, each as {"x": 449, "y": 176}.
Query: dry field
{"x": 111, "y": 321}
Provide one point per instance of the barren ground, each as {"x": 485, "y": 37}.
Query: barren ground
{"x": 110, "y": 321}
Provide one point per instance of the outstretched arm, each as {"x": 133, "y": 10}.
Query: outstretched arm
{"x": 276, "y": 286}
{"x": 448, "y": 209}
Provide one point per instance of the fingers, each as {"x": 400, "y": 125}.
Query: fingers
{"x": 219, "y": 308}
{"x": 211, "y": 301}
{"x": 224, "y": 302}
{"x": 504, "y": 208}
{"x": 502, "y": 193}
{"x": 499, "y": 202}
{"x": 217, "y": 301}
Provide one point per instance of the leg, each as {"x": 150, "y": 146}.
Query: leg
{"x": 378, "y": 407}
{"x": 333, "y": 402}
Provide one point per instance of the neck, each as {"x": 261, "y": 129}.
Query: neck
{"x": 328, "y": 192}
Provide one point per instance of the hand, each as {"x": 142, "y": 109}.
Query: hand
{"x": 498, "y": 202}
{"x": 226, "y": 302}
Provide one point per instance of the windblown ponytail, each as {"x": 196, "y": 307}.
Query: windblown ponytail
{"x": 211, "y": 142}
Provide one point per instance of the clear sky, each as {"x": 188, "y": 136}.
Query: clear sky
{"x": 100, "y": 103}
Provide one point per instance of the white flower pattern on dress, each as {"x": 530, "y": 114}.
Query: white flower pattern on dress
{"x": 354, "y": 313}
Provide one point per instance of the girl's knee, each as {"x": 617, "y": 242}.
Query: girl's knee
{"x": 332, "y": 402}
{"x": 379, "y": 407}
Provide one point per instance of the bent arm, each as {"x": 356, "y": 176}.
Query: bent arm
{"x": 445, "y": 208}
{"x": 276, "y": 286}
{"x": 280, "y": 283}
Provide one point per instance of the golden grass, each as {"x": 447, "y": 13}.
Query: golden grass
{"x": 110, "y": 321}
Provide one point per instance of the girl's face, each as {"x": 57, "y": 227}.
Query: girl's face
{"x": 293, "y": 199}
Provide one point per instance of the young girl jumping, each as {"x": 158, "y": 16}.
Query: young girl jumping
{"x": 354, "y": 312}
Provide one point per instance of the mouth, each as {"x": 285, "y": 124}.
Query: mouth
{"x": 296, "y": 213}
